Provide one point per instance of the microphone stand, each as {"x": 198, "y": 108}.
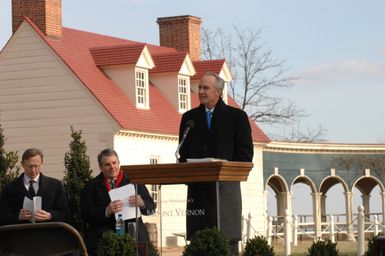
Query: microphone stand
{"x": 177, "y": 155}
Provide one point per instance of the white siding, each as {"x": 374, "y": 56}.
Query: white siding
{"x": 40, "y": 99}
{"x": 253, "y": 195}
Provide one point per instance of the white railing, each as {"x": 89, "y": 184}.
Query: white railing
{"x": 248, "y": 231}
{"x": 290, "y": 228}
{"x": 336, "y": 222}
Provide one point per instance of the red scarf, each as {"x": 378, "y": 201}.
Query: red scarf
{"x": 117, "y": 181}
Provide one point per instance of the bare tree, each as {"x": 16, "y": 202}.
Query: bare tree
{"x": 257, "y": 75}
{"x": 359, "y": 164}
{"x": 309, "y": 135}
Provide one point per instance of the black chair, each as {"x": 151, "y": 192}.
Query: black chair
{"x": 51, "y": 238}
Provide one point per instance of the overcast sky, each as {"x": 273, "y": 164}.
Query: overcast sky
{"x": 336, "y": 48}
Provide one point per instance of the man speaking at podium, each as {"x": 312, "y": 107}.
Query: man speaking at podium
{"x": 215, "y": 130}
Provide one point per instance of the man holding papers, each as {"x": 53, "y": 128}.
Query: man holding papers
{"x": 33, "y": 197}
{"x": 100, "y": 205}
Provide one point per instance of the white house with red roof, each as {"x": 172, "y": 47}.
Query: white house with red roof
{"x": 123, "y": 94}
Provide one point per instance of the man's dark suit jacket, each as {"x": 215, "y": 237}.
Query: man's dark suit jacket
{"x": 53, "y": 199}
{"x": 229, "y": 138}
{"x": 94, "y": 201}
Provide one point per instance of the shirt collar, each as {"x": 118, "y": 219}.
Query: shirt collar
{"x": 27, "y": 179}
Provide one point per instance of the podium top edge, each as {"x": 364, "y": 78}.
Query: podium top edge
{"x": 223, "y": 163}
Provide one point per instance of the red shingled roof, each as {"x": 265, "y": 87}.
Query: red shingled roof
{"x": 83, "y": 51}
{"x": 201, "y": 67}
{"x": 117, "y": 54}
{"x": 168, "y": 62}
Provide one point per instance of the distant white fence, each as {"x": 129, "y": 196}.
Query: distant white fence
{"x": 331, "y": 227}
{"x": 290, "y": 229}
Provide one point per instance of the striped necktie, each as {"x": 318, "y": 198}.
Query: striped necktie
{"x": 112, "y": 184}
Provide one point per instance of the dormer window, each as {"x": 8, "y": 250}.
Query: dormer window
{"x": 183, "y": 96}
{"x": 141, "y": 83}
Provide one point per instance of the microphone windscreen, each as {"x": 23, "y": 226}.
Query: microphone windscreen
{"x": 190, "y": 123}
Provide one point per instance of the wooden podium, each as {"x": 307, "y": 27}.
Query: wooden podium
{"x": 180, "y": 173}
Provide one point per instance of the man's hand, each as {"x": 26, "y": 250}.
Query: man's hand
{"x": 136, "y": 201}
{"x": 42, "y": 215}
{"x": 25, "y": 214}
{"x": 114, "y": 206}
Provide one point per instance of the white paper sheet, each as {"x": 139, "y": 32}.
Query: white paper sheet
{"x": 32, "y": 205}
{"x": 123, "y": 193}
{"x": 37, "y": 200}
{"x": 28, "y": 204}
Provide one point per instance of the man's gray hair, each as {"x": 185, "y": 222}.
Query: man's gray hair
{"x": 106, "y": 152}
{"x": 219, "y": 82}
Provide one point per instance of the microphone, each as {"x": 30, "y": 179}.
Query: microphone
{"x": 189, "y": 125}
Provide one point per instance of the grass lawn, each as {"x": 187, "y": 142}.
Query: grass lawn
{"x": 345, "y": 248}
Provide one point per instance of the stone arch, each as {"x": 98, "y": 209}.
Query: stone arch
{"x": 313, "y": 191}
{"x": 305, "y": 180}
{"x": 282, "y": 194}
{"x": 327, "y": 183}
{"x": 365, "y": 185}
{"x": 330, "y": 181}
{"x": 277, "y": 183}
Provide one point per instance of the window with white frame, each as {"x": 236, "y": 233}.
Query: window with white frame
{"x": 141, "y": 84}
{"x": 183, "y": 96}
{"x": 154, "y": 190}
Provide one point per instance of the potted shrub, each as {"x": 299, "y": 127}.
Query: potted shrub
{"x": 111, "y": 244}
{"x": 208, "y": 242}
{"x": 323, "y": 248}
{"x": 258, "y": 246}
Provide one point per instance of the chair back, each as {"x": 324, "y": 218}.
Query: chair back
{"x": 51, "y": 238}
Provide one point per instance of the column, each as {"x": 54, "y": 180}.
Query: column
{"x": 266, "y": 211}
{"x": 287, "y": 211}
{"x": 349, "y": 215}
{"x": 280, "y": 206}
{"x": 383, "y": 207}
{"x": 323, "y": 208}
{"x": 317, "y": 214}
{"x": 283, "y": 203}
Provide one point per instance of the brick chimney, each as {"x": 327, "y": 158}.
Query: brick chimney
{"x": 46, "y": 14}
{"x": 182, "y": 33}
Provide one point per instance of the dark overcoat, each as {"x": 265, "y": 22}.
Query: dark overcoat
{"x": 93, "y": 204}
{"x": 229, "y": 138}
{"x": 53, "y": 200}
